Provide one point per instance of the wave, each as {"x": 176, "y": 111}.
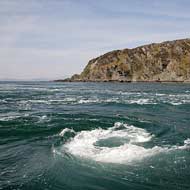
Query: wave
{"x": 9, "y": 118}
{"x": 3, "y": 101}
{"x": 121, "y": 143}
{"x": 122, "y": 98}
{"x": 40, "y": 119}
{"x": 66, "y": 130}
{"x": 48, "y": 101}
{"x": 43, "y": 118}
{"x": 139, "y": 101}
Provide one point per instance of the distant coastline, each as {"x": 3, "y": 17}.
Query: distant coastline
{"x": 115, "y": 81}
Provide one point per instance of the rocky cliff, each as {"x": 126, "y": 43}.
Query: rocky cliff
{"x": 167, "y": 61}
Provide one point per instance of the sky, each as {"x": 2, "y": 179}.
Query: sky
{"x": 53, "y": 39}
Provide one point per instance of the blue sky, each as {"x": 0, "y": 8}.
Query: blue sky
{"x": 50, "y": 39}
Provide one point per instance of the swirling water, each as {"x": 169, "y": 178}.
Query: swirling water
{"x": 94, "y": 136}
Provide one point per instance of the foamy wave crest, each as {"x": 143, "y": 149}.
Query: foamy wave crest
{"x": 141, "y": 101}
{"x": 9, "y": 118}
{"x": 121, "y": 143}
{"x": 87, "y": 101}
{"x": 3, "y": 101}
{"x": 66, "y": 130}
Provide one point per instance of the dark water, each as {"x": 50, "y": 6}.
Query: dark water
{"x": 100, "y": 136}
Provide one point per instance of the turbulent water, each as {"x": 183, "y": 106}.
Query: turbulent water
{"x": 99, "y": 136}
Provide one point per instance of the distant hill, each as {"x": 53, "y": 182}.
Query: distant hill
{"x": 167, "y": 61}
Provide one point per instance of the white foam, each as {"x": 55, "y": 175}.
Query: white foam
{"x": 186, "y": 144}
{"x": 176, "y": 103}
{"x": 34, "y": 101}
{"x": 85, "y": 144}
{"x": 88, "y": 101}
{"x": 62, "y": 133}
{"x": 122, "y": 97}
{"x": 69, "y": 99}
{"x": 9, "y": 118}
{"x": 141, "y": 101}
{"x": 3, "y": 101}
{"x": 43, "y": 118}
{"x": 49, "y": 101}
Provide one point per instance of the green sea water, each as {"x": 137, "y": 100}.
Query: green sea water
{"x": 96, "y": 136}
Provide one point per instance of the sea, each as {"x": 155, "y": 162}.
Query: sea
{"x": 94, "y": 136}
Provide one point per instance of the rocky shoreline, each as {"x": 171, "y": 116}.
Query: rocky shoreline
{"x": 116, "y": 81}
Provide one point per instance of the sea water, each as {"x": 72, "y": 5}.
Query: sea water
{"x": 94, "y": 136}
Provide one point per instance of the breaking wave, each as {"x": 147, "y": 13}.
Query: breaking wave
{"x": 121, "y": 143}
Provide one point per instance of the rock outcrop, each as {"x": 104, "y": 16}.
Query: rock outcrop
{"x": 167, "y": 61}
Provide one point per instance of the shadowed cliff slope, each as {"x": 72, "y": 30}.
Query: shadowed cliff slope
{"x": 167, "y": 61}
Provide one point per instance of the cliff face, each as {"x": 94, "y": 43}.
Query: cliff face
{"x": 167, "y": 61}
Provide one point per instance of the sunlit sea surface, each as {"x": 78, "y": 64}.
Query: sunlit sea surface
{"x": 94, "y": 136}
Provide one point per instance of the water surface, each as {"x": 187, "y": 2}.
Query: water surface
{"x": 94, "y": 136}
